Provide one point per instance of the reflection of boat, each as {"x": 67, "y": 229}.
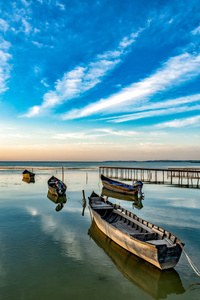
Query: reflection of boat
{"x": 56, "y": 186}
{"x": 57, "y": 199}
{"x": 60, "y": 200}
{"x": 150, "y": 242}
{"x": 159, "y": 284}
{"x": 27, "y": 174}
{"x": 120, "y": 187}
{"x": 137, "y": 201}
{"x": 29, "y": 180}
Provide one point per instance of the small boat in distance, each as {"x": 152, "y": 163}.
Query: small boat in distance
{"x": 148, "y": 241}
{"x": 120, "y": 187}
{"x": 56, "y": 186}
{"x": 28, "y": 175}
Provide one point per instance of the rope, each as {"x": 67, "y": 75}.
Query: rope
{"x": 190, "y": 261}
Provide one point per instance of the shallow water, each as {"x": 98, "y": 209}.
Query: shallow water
{"x": 49, "y": 254}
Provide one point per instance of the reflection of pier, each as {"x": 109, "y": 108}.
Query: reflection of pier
{"x": 182, "y": 176}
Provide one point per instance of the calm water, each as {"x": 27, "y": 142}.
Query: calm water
{"x": 45, "y": 254}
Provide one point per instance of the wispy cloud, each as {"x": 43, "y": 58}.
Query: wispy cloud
{"x": 60, "y": 5}
{"x": 77, "y": 136}
{"x": 26, "y": 3}
{"x": 3, "y": 25}
{"x": 26, "y": 26}
{"x": 157, "y": 106}
{"x": 83, "y": 78}
{"x": 5, "y": 66}
{"x": 104, "y": 132}
{"x": 154, "y": 113}
{"x": 175, "y": 71}
{"x": 196, "y": 31}
{"x": 180, "y": 123}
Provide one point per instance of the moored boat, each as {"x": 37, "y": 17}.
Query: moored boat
{"x": 154, "y": 282}
{"x": 120, "y": 187}
{"x": 56, "y": 186}
{"x": 144, "y": 239}
{"x": 28, "y": 175}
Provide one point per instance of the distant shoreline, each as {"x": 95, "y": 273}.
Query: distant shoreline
{"x": 98, "y": 161}
{"x": 46, "y": 168}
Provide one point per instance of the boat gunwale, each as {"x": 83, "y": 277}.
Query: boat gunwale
{"x": 155, "y": 228}
{"x": 128, "y": 235}
{"x": 104, "y": 178}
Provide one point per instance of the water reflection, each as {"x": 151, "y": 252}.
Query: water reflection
{"x": 137, "y": 201}
{"x": 59, "y": 200}
{"x": 29, "y": 180}
{"x": 159, "y": 284}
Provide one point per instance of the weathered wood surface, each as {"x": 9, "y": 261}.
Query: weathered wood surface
{"x": 127, "y": 189}
{"x": 151, "y": 243}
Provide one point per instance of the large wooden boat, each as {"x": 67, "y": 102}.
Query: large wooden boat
{"x": 56, "y": 187}
{"x": 137, "y": 201}
{"x": 154, "y": 282}
{"x": 120, "y": 187}
{"x": 28, "y": 175}
{"x": 148, "y": 241}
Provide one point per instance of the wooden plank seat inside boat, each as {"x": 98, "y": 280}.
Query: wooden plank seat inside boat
{"x": 144, "y": 236}
{"x": 135, "y": 228}
{"x": 159, "y": 242}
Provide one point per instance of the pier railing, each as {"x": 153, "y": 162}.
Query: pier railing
{"x": 183, "y": 176}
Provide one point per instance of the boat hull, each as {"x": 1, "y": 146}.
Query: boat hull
{"x": 142, "y": 274}
{"x": 54, "y": 190}
{"x": 118, "y": 189}
{"x": 161, "y": 256}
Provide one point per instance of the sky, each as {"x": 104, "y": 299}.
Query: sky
{"x": 95, "y": 80}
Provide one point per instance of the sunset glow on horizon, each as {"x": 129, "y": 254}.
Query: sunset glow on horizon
{"x": 99, "y": 80}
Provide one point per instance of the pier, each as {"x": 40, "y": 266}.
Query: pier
{"x": 186, "y": 177}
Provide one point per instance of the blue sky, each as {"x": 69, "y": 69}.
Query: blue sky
{"x": 99, "y": 80}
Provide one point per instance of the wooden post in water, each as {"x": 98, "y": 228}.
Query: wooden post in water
{"x": 84, "y": 202}
{"x": 86, "y": 177}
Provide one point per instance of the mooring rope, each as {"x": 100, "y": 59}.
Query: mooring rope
{"x": 190, "y": 261}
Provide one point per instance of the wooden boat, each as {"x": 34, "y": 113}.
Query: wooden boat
{"x": 56, "y": 186}
{"x": 27, "y": 174}
{"x": 137, "y": 201}
{"x": 148, "y": 241}
{"x": 120, "y": 187}
{"x": 154, "y": 282}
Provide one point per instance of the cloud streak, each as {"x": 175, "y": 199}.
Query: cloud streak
{"x": 180, "y": 123}
{"x": 4, "y": 64}
{"x": 157, "y": 107}
{"x": 175, "y": 71}
{"x": 83, "y": 78}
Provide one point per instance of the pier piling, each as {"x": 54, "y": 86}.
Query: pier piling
{"x": 186, "y": 177}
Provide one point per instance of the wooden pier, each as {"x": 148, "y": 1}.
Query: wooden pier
{"x": 186, "y": 177}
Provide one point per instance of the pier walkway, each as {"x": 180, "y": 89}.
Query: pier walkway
{"x": 187, "y": 177}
